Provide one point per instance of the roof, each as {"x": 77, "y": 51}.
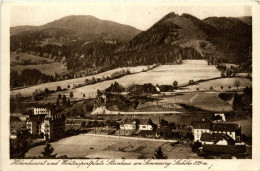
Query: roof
{"x": 145, "y": 122}
{"x": 215, "y": 137}
{"x": 35, "y": 118}
{"x": 230, "y": 127}
{"x": 211, "y": 137}
{"x": 128, "y": 121}
{"x": 201, "y": 124}
{"x": 48, "y": 106}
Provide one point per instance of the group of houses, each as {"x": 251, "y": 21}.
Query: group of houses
{"x": 147, "y": 128}
{"x": 135, "y": 124}
{"x": 218, "y": 137}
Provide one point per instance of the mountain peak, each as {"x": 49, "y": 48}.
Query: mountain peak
{"x": 168, "y": 16}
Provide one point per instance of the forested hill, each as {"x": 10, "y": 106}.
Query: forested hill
{"x": 234, "y": 43}
{"x": 82, "y": 26}
{"x": 218, "y": 39}
{"x": 90, "y": 45}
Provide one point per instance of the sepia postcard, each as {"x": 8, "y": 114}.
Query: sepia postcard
{"x": 130, "y": 85}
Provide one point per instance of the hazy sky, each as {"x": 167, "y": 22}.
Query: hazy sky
{"x": 141, "y": 17}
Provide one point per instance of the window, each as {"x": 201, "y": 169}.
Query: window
{"x": 143, "y": 126}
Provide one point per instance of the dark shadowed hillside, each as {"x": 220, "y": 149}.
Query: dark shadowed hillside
{"x": 234, "y": 44}
{"x": 246, "y": 19}
{"x": 18, "y": 29}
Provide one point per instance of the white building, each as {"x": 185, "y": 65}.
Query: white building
{"x": 200, "y": 127}
{"x": 41, "y": 110}
{"x": 128, "y": 124}
{"x": 216, "y": 139}
{"x": 145, "y": 124}
{"x": 100, "y": 110}
{"x": 45, "y": 123}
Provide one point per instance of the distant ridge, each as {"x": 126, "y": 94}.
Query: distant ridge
{"x": 84, "y": 26}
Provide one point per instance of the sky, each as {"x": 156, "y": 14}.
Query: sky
{"x": 139, "y": 16}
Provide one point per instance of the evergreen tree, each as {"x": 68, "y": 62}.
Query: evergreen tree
{"x": 18, "y": 148}
{"x": 71, "y": 95}
{"x": 175, "y": 84}
{"x": 48, "y": 150}
{"x": 236, "y": 102}
{"x": 64, "y": 102}
{"x": 159, "y": 154}
{"x": 57, "y": 102}
{"x": 68, "y": 101}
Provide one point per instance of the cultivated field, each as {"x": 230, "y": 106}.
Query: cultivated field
{"x": 206, "y": 101}
{"x": 64, "y": 84}
{"x": 217, "y": 83}
{"x": 25, "y": 56}
{"x": 164, "y": 74}
{"x": 48, "y": 68}
{"x": 112, "y": 148}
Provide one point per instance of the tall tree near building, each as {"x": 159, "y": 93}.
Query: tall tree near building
{"x": 68, "y": 103}
{"x": 48, "y": 152}
{"x": 71, "y": 95}
{"x": 237, "y": 83}
{"x": 64, "y": 102}
{"x": 57, "y": 102}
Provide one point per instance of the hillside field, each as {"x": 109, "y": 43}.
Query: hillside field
{"x": 164, "y": 74}
{"x": 217, "y": 83}
{"x": 49, "y": 67}
{"x": 64, "y": 83}
{"x": 206, "y": 101}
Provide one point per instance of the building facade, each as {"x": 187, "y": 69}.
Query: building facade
{"x": 46, "y": 124}
{"x": 145, "y": 124}
{"x": 128, "y": 124}
{"x": 231, "y": 129}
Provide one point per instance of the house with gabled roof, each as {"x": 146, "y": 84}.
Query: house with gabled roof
{"x": 217, "y": 139}
{"x": 145, "y": 124}
{"x": 199, "y": 127}
{"x": 231, "y": 129}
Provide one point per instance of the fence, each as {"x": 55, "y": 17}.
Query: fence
{"x": 132, "y": 138}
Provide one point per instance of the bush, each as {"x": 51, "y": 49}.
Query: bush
{"x": 58, "y": 88}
